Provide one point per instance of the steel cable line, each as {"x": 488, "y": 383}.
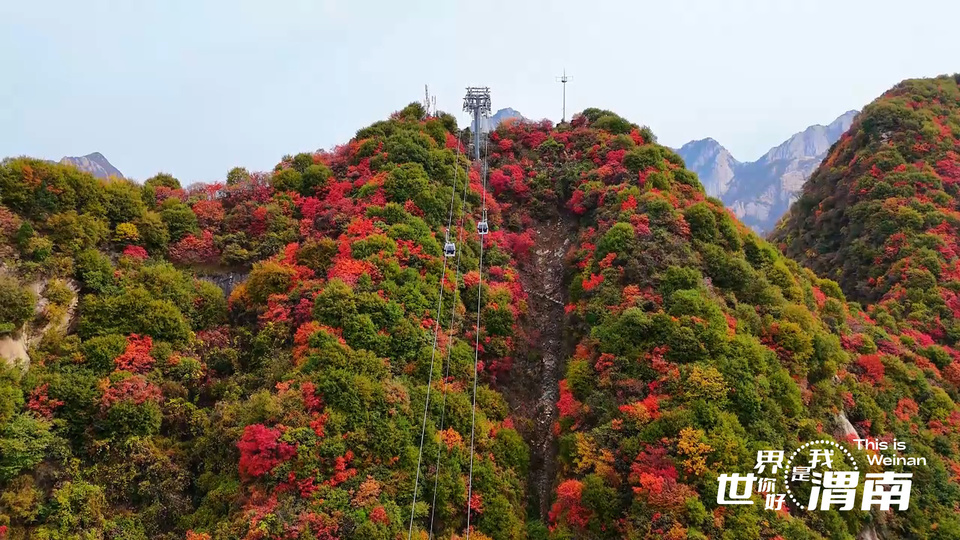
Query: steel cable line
{"x": 433, "y": 353}
{"x": 476, "y": 352}
{"x": 453, "y": 315}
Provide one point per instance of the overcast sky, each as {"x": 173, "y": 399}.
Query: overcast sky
{"x": 196, "y": 87}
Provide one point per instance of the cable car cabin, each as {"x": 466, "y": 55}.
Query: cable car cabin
{"x": 482, "y": 227}
{"x": 449, "y": 249}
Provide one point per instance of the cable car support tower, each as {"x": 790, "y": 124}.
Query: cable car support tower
{"x": 477, "y": 103}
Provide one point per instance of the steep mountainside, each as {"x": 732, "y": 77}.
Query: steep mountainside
{"x": 95, "y": 164}
{"x": 761, "y": 191}
{"x": 291, "y": 409}
{"x": 881, "y": 216}
{"x": 634, "y": 341}
{"x": 692, "y": 343}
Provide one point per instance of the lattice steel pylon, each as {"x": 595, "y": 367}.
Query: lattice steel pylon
{"x": 477, "y": 103}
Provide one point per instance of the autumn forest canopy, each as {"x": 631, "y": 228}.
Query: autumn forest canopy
{"x": 252, "y": 359}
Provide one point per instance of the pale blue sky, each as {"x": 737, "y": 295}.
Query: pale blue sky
{"x": 197, "y": 87}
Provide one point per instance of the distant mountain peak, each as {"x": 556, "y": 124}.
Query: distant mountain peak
{"x": 707, "y": 142}
{"x": 813, "y": 141}
{"x": 94, "y": 163}
{"x": 759, "y": 192}
{"x": 713, "y": 163}
{"x": 507, "y": 113}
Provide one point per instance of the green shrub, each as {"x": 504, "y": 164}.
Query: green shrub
{"x": 287, "y": 180}
{"x": 268, "y": 278}
{"x": 17, "y": 304}
{"x": 23, "y": 444}
{"x": 100, "y": 351}
{"x": 702, "y": 222}
{"x": 123, "y": 201}
{"x": 643, "y": 158}
{"x": 613, "y": 123}
{"x": 179, "y": 218}
{"x": 58, "y": 292}
{"x": 94, "y": 270}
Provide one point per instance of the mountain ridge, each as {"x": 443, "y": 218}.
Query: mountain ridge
{"x": 760, "y": 191}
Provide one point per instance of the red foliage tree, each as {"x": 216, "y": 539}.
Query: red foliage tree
{"x": 655, "y": 477}
{"x": 906, "y": 409}
{"x": 136, "y": 389}
{"x": 592, "y": 282}
{"x": 349, "y": 270}
{"x": 342, "y": 470}
{"x": 41, "y": 403}
{"x": 163, "y": 193}
{"x": 209, "y": 213}
{"x": 310, "y": 399}
{"x": 261, "y": 450}
{"x": 872, "y": 367}
{"x": 320, "y": 527}
{"x": 519, "y": 244}
{"x": 476, "y": 503}
{"x": 136, "y": 358}
{"x": 567, "y": 405}
{"x": 379, "y": 516}
{"x": 135, "y": 252}
{"x": 952, "y": 373}
{"x": 576, "y": 203}
{"x": 193, "y": 250}
{"x": 277, "y": 309}
{"x": 568, "y": 507}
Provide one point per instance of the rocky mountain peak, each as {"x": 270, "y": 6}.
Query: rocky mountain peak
{"x": 501, "y": 115}
{"x": 95, "y": 164}
{"x": 813, "y": 141}
{"x": 714, "y": 164}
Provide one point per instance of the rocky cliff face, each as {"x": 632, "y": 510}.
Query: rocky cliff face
{"x": 713, "y": 164}
{"x": 94, "y": 164}
{"x": 15, "y": 347}
{"x": 761, "y": 191}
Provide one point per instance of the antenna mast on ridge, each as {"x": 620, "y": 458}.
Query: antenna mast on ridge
{"x": 563, "y": 79}
{"x": 477, "y": 103}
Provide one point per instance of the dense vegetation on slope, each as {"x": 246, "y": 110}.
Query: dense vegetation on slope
{"x": 292, "y": 408}
{"x": 697, "y": 344}
{"x": 881, "y": 216}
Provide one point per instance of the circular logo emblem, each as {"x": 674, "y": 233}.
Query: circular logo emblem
{"x": 806, "y": 465}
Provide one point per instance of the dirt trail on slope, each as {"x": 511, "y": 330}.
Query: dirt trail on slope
{"x": 533, "y": 388}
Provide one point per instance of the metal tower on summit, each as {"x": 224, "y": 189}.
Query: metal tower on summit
{"x": 477, "y": 103}
{"x": 564, "y": 79}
